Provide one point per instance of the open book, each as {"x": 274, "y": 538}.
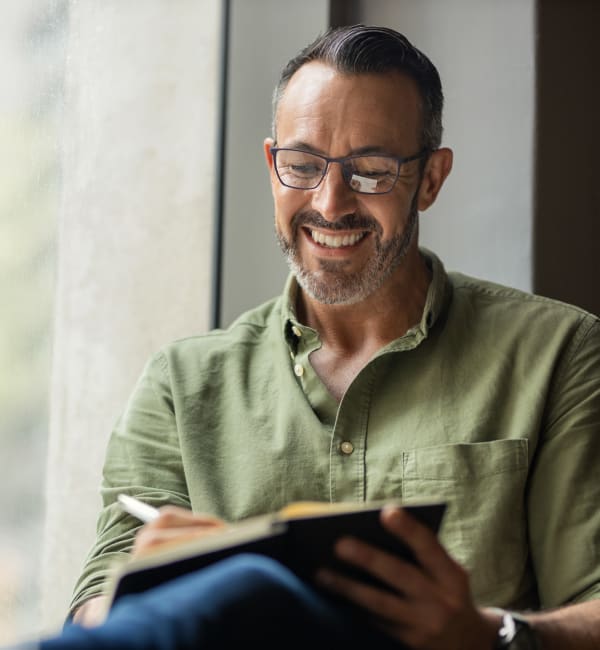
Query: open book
{"x": 301, "y": 536}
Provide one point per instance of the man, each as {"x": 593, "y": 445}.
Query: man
{"x": 378, "y": 375}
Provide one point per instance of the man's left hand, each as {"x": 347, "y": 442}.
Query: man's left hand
{"x": 431, "y": 607}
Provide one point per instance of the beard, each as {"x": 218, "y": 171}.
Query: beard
{"x": 332, "y": 284}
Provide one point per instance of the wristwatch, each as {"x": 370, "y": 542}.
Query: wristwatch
{"x": 515, "y": 633}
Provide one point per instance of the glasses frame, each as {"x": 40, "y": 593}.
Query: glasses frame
{"x": 342, "y": 160}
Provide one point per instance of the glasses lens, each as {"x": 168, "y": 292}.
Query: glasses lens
{"x": 371, "y": 174}
{"x": 299, "y": 169}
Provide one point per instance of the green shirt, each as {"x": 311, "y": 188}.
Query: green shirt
{"x": 491, "y": 402}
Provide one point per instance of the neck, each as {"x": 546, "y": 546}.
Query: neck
{"x": 384, "y": 316}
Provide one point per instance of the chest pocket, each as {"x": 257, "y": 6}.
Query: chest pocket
{"x": 485, "y": 527}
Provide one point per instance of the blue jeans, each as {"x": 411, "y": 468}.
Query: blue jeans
{"x": 246, "y": 599}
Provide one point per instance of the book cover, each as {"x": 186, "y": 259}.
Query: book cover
{"x": 301, "y": 536}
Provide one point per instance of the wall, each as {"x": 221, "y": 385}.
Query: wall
{"x": 135, "y": 237}
{"x": 264, "y": 35}
{"x": 567, "y": 194}
{"x": 484, "y": 51}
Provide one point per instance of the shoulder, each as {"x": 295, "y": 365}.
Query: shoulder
{"x": 504, "y": 318}
{"x": 256, "y": 328}
{"x": 513, "y": 303}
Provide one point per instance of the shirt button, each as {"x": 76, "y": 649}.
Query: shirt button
{"x": 347, "y": 447}
{"x": 299, "y": 370}
{"x": 292, "y": 356}
{"x": 296, "y": 330}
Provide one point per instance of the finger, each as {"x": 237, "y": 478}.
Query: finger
{"x": 149, "y": 540}
{"x": 384, "y": 604}
{"x": 175, "y": 517}
{"x": 424, "y": 544}
{"x": 400, "y": 575}
{"x": 414, "y": 622}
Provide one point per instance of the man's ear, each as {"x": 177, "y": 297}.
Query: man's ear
{"x": 436, "y": 171}
{"x": 267, "y": 144}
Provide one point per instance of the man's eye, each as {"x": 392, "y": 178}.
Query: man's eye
{"x": 379, "y": 175}
{"x": 377, "y": 168}
{"x": 375, "y": 173}
{"x": 305, "y": 170}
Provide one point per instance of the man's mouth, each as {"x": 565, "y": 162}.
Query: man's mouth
{"x": 337, "y": 241}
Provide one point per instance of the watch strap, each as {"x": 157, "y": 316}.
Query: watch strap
{"x": 515, "y": 632}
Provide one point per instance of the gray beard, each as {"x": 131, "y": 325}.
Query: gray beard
{"x": 331, "y": 284}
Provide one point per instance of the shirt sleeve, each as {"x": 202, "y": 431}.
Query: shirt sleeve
{"x": 144, "y": 460}
{"x": 564, "y": 491}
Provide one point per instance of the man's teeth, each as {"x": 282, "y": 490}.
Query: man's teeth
{"x": 336, "y": 241}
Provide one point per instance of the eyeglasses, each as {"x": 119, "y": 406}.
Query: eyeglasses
{"x": 363, "y": 173}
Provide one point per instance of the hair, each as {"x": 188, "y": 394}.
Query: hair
{"x": 361, "y": 49}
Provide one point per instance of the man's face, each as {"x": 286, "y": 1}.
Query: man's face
{"x": 341, "y": 245}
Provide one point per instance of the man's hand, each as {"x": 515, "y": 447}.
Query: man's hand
{"x": 431, "y": 607}
{"x": 174, "y": 526}
{"x": 92, "y": 612}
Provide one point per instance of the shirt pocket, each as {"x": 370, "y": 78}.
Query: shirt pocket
{"x": 485, "y": 526}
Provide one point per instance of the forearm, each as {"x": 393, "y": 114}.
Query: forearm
{"x": 574, "y": 627}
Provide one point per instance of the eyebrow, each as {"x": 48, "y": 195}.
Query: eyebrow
{"x": 369, "y": 149}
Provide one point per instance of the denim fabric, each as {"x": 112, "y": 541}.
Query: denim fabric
{"x": 248, "y": 599}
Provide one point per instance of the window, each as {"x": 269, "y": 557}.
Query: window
{"x": 32, "y": 38}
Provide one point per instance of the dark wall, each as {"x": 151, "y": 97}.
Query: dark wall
{"x": 567, "y": 191}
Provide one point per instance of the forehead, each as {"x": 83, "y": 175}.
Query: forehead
{"x": 333, "y": 110}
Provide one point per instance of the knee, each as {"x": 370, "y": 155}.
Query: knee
{"x": 258, "y": 569}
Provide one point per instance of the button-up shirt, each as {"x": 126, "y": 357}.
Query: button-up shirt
{"x": 491, "y": 402}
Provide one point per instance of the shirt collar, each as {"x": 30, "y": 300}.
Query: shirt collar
{"x": 438, "y": 294}
{"x": 438, "y": 297}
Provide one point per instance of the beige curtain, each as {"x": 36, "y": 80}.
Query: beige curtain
{"x": 135, "y": 237}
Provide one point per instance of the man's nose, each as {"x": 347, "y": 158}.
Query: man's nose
{"x": 333, "y": 198}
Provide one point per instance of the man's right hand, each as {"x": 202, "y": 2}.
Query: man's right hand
{"x": 173, "y": 526}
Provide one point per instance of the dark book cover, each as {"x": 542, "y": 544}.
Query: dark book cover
{"x": 300, "y": 539}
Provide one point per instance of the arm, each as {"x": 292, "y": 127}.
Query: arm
{"x": 431, "y": 606}
{"x": 143, "y": 459}
{"x": 564, "y": 490}
{"x": 173, "y": 526}
{"x": 573, "y": 626}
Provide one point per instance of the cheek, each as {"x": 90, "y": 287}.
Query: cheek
{"x": 287, "y": 203}
{"x": 396, "y": 209}
{"x": 392, "y": 219}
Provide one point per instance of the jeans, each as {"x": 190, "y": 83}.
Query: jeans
{"x": 247, "y": 599}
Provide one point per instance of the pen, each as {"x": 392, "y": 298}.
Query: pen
{"x": 137, "y": 508}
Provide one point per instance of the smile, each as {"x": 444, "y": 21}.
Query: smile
{"x": 336, "y": 241}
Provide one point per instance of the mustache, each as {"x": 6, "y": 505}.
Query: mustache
{"x": 350, "y": 221}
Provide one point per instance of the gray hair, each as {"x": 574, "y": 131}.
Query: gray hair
{"x": 360, "y": 49}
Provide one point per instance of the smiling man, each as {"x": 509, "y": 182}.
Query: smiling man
{"x": 350, "y": 172}
{"x": 343, "y": 246}
{"x": 378, "y": 375}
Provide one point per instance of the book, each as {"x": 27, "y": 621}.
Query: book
{"x": 301, "y": 536}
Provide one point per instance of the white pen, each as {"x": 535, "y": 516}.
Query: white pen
{"x": 138, "y": 508}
